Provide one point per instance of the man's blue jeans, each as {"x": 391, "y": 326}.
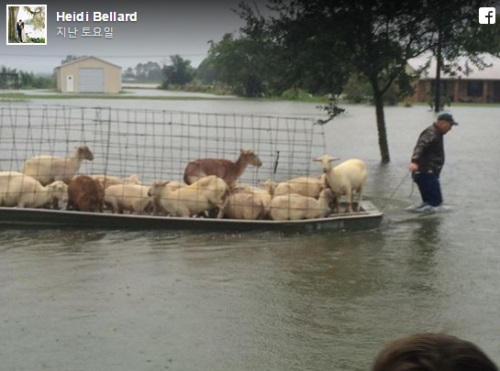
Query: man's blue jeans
{"x": 429, "y": 187}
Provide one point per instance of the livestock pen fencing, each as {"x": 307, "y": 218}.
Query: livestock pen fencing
{"x": 158, "y": 144}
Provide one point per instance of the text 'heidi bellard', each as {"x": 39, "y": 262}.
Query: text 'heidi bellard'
{"x": 96, "y": 17}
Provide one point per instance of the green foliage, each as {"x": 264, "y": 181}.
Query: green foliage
{"x": 296, "y": 94}
{"x": 239, "y": 63}
{"x": 357, "y": 89}
{"x": 317, "y": 45}
{"x": 36, "y": 40}
{"x": 27, "y": 80}
{"x": 149, "y": 71}
{"x": 31, "y": 81}
{"x": 206, "y": 72}
{"x": 37, "y": 16}
{"x": 179, "y": 72}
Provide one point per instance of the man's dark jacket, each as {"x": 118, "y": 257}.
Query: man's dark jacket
{"x": 429, "y": 151}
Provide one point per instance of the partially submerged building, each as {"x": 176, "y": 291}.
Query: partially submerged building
{"x": 470, "y": 84}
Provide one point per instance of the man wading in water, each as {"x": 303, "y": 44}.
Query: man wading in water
{"x": 428, "y": 160}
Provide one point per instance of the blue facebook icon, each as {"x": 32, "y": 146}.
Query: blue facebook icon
{"x": 487, "y": 15}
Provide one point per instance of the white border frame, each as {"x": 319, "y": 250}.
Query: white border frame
{"x": 7, "y": 25}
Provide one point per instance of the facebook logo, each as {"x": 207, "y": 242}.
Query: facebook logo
{"x": 487, "y": 15}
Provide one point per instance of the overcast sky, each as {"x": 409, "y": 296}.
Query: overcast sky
{"x": 174, "y": 27}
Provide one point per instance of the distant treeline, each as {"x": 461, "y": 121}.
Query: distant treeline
{"x": 11, "y": 78}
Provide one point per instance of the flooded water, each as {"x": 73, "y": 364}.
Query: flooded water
{"x": 118, "y": 300}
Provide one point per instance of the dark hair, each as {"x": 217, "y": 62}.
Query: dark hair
{"x": 432, "y": 352}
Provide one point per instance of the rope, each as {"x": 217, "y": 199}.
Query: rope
{"x": 396, "y": 189}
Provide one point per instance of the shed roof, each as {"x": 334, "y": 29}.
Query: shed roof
{"x": 84, "y": 58}
{"x": 469, "y": 71}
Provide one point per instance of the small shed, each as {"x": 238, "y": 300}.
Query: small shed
{"x": 88, "y": 75}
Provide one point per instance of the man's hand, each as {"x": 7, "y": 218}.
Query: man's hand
{"x": 413, "y": 167}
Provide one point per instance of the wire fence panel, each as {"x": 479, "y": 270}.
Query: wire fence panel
{"x": 158, "y": 144}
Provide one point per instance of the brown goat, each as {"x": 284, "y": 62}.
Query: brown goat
{"x": 85, "y": 194}
{"x": 228, "y": 170}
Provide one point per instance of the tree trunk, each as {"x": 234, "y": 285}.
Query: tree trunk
{"x": 437, "y": 86}
{"x": 382, "y": 132}
{"x": 12, "y": 32}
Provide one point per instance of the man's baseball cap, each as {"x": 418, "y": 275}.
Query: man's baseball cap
{"x": 447, "y": 117}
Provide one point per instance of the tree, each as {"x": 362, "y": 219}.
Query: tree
{"x": 150, "y": 71}
{"x": 153, "y": 71}
{"x": 322, "y": 42}
{"x": 12, "y": 33}
{"x": 236, "y": 62}
{"x": 37, "y": 16}
{"x": 128, "y": 73}
{"x": 206, "y": 72}
{"x": 452, "y": 35}
{"x": 71, "y": 58}
{"x": 179, "y": 72}
{"x": 326, "y": 42}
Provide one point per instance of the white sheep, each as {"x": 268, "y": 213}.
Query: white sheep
{"x": 46, "y": 169}
{"x": 345, "y": 178}
{"x": 293, "y": 206}
{"x": 203, "y": 195}
{"x": 109, "y": 180}
{"x": 21, "y": 190}
{"x": 157, "y": 205}
{"x": 265, "y": 194}
{"x": 305, "y": 186}
{"x": 246, "y": 204}
{"x": 130, "y": 197}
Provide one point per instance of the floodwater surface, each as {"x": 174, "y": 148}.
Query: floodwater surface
{"x": 158, "y": 300}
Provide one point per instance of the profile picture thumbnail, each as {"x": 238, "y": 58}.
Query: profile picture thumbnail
{"x": 26, "y": 24}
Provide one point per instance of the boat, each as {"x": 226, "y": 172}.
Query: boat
{"x": 12, "y": 217}
{"x": 157, "y": 145}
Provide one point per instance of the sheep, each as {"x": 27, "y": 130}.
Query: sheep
{"x": 270, "y": 186}
{"x": 85, "y": 194}
{"x": 228, "y": 170}
{"x": 293, "y": 206}
{"x": 345, "y": 178}
{"x": 246, "y": 204}
{"x": 109, "y": 180}
{"x": 305, "y": 186}
{"x": 157, "y": 207}
{"x": 21, "y": 190}
{"x": 203, "y": 195}
{"x": 129, "y": 197}
{"x": 265, "y": 194}
{"x": 46, "y": 169}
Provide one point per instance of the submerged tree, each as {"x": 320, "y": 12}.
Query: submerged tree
{"x": 240, "y": 62}
{"x": 322, "y": 42}
{"x": 179, "y": 72}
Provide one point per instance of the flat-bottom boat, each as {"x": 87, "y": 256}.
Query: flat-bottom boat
{"x": 369, "y": 217}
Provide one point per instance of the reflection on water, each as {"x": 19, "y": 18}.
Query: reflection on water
{"x": 155, "y": 300}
